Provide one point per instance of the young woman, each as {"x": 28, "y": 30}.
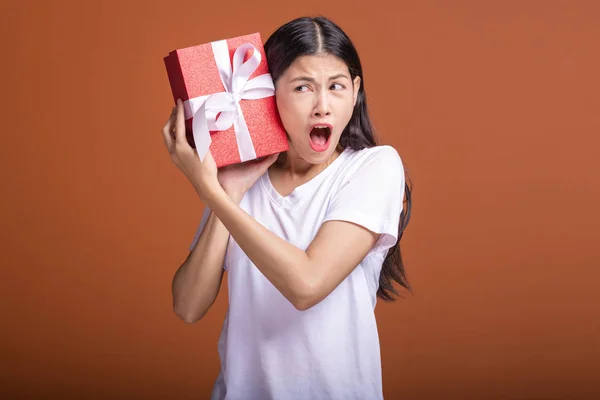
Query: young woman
{"x": 309, "y": 237}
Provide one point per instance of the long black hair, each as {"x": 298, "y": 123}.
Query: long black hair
{"x": 311, "y": 36}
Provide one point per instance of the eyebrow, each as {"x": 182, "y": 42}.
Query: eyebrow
{"x": 308, "y": 79}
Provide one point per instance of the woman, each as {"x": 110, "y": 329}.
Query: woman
{"x": 310, "y": 237}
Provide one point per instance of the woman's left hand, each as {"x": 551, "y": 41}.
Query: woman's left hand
{"x": 202, "y": 174}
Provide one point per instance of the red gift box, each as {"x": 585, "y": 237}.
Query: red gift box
{"x": 229, "y": 99}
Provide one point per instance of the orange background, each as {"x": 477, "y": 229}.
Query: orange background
{"x": 493, "y": 107}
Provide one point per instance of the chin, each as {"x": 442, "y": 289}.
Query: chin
{"x": 320, "y": 158}
{"x": 323, "y": 156}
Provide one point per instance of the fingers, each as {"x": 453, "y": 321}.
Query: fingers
{"x": 167, "y": 129}
{"x": 265, "y": 159}
{"x": 266, "y": 162}
{"x": 180, "y": 123}
{"x": 271, "y": 159}
{"x": 208, "y": 158}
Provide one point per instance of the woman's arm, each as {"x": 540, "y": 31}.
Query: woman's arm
{"x": 303, "y": 277}
{"x": 197, "y": 281}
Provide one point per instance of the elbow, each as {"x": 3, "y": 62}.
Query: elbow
{"x": 305, "y": 297}
{"x": 189, "y": 320}
{"x": 188, "y": 316}
{"x": 303, "y": 305}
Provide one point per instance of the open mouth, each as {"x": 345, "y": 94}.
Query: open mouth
{"x": 319, "y": 137}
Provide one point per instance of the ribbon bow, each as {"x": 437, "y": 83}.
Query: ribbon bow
{"x": 238, "y": 86}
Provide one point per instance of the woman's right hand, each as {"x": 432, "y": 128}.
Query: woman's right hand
{"x": 235, "y": 179}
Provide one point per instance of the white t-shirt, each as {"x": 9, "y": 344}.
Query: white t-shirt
{"x": 269, "y": 349}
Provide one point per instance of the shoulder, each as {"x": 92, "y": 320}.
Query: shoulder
{"x": 383, "y": 158}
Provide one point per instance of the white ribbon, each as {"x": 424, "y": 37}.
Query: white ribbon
{"x": 238, "y": 86}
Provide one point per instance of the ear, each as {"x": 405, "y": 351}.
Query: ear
{"x": 356, "y": 86}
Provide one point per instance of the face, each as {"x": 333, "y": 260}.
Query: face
{"x": 315, "y": 97}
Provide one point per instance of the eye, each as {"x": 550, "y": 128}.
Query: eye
{"x": 338, "y": 85}
{"x": 300, "y": 88}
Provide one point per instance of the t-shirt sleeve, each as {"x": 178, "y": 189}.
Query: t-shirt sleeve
{"x": 372, "y": 196}
{"x": 201, "y": 226}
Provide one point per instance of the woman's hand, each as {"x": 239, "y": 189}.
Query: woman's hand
{"x": 204, "y": 176}
{"x": 236, "y": 179}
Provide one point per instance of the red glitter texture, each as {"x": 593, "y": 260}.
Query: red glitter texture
{"x": 192, "y": 72}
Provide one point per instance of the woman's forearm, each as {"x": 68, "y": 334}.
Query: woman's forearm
{"x": 197, "y": 281}
{"x": 286, "y": 266}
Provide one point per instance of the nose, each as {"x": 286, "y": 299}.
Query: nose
{"x": 321, "y": 107}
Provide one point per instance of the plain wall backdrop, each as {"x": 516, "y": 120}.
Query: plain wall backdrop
{"x": 493, "y": 106}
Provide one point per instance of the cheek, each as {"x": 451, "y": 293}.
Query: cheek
{"x": 288, "y": 111}
{"x": 282, "y": 105}
{"x": 345, "y": 110}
